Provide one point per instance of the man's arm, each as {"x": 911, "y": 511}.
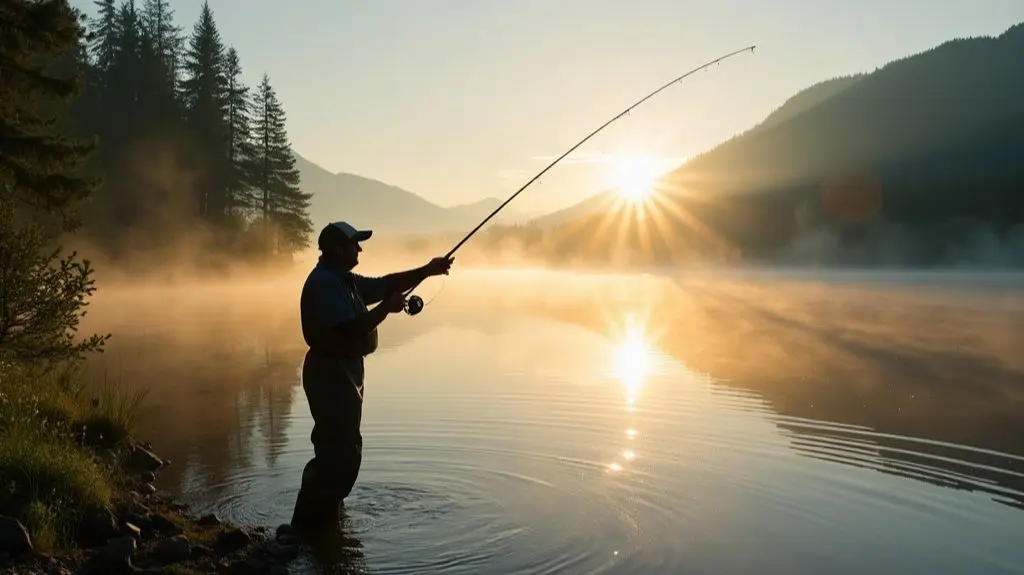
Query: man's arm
{"x": 375, "y": 290}
{"x": 358, "y": 328}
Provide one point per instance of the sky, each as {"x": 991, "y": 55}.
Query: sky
{"x": 457, "y": 100}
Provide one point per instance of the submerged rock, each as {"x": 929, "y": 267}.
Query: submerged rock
{"x": 210, "y": 519}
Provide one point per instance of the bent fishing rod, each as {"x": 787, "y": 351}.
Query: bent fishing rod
{"x": 414, "y": 304}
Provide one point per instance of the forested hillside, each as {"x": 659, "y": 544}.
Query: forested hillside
{"x": 188, "y": 153}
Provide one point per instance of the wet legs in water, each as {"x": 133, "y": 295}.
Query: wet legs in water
{"x": 328, "y": 478}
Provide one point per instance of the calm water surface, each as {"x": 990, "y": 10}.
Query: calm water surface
{"x": 555, "y": 423}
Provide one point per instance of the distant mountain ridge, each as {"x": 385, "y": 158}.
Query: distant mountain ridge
{"x": 908, "y": 164}
{"x": 366, "y": 202}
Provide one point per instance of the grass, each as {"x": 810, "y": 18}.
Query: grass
{"x": 52, "y": 435}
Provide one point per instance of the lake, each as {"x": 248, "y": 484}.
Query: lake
{"x": 544, "y": 422}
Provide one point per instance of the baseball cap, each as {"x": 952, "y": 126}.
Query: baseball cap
{"x": 336, "y": 233}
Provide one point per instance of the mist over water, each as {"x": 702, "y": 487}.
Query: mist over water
{"x": 534, "y": 421}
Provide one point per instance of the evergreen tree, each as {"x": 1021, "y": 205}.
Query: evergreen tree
{"x": 160, "y": 54}
{"x": 105, "y": 36}
{"x": 38, "y": 165}
{"x": 205, "y": 112}
{"x": 239, "y": 138}
{"x": 121, "y": 114}
{"x": 282, "y": 205}
{"x": 42, "y": 294}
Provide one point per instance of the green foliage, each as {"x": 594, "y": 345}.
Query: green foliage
{"x": 42, "y": 295}
{"x": 114, "y": 415}
{"x": 38, "y": 166}
{"x": 50, "y": 476}
{"x": 280, "y": 203}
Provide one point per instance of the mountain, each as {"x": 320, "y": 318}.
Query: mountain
{"x": 919, "y": 161}
{"x": 793, "y": 107}
{"x": 366, "y": 202}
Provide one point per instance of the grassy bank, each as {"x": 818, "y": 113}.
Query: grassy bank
{"x": 60, "y": 451}
{"x": 77, "y": 491}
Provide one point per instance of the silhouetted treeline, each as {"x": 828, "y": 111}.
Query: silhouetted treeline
{"x": 920, "y": 162}
{"x": 188, "y": 152}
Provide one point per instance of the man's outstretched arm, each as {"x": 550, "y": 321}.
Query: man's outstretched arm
{"x": 377, "y": 289}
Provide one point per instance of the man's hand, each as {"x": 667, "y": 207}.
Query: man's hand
{"x": 394, "y": 303}
{"x": 439, "y": 266}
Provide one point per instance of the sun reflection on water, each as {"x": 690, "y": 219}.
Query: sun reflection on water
{"x": 632, "y": 361}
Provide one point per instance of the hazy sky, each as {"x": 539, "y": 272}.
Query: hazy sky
{"x": 461, "y": 99}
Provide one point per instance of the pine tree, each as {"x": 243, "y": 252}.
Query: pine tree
{"x": 104, "y": 36}
{"x": 239, "y": 139}
{"x": 38, "y": 166}
{"x": 161, "y": 44}
{"x": 281, "y": 203}
{"x": 42, "y": 294}
{"x": 121, "y": 110}
{"x": 205, "y": 105}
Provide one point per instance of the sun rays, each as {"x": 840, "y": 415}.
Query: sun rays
{"x": 646, "y": 219}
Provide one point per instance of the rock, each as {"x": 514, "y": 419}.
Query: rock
{"x": 144, "y": 459}
{"x": 132, "y": 530}
{"x": 137, "y": 520}
{"x": 283, "y": 551}
{"x": 234, "y": 540}
{"x": 285, "y": 529}
{"x": 209, "y": 519}
{"x": 117, "y": 553}
{"x": 163, "y": 524}
{"x": 14, "y": 538}
{"x": 173, "y": 550}
{"x": 148, "y": 477}
{"x": 201, "y": 551}
{"x": 96, "y": 528}
{"x": 146, "y": 489}
{"x": 163, "y": 495}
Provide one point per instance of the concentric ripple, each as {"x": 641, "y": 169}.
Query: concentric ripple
{"x": 534, "y": 476}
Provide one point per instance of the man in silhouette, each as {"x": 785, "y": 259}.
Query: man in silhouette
{"x": 340, "y": 331}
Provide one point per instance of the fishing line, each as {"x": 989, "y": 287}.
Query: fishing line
{"x": 414, "y": 304}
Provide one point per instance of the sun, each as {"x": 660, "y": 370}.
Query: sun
{"x": 634, "y": 176}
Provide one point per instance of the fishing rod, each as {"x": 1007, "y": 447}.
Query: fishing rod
{"x": 414, "y": 304}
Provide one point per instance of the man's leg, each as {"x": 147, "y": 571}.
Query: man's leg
{"x": 335, "y": 404}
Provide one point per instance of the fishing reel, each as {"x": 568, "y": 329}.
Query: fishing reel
{"x": 414, "y": 305}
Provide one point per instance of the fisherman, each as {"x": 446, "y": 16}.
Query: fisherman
{"x": 340, "y": 331}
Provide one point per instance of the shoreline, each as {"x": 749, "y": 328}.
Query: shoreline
{"x": 148, "y": 530}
